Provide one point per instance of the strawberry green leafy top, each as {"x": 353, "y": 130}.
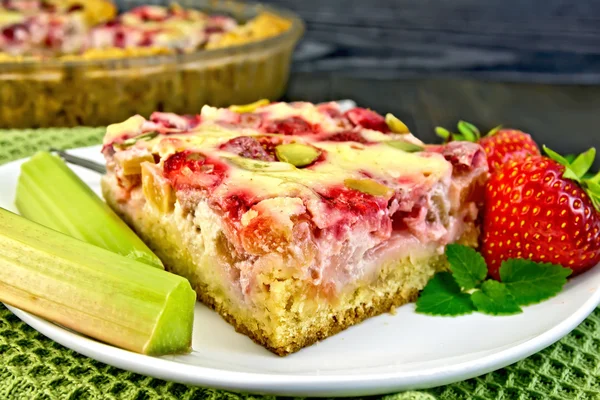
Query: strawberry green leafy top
{"x": 577, "y": 169}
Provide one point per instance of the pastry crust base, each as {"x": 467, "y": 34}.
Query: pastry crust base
{"x": 339, "y": 321}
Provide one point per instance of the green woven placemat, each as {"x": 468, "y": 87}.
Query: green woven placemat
{"x": 34, "y": 367}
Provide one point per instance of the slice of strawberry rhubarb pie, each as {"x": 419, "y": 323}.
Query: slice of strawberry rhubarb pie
{"x": 294, "y": 221}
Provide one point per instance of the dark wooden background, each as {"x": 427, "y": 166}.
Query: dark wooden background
{"x": 517, "y": 40}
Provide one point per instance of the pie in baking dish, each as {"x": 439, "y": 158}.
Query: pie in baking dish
{"x": 93, "y": 29}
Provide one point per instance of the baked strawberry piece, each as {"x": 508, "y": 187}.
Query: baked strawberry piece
{"x": 294, "y": 220}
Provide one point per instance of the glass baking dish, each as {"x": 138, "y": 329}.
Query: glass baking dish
{"x": 103, "y": 91}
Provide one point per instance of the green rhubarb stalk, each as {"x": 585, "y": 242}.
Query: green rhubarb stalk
{"x": 93, "y": 291}
{"x": 51, "y": 194}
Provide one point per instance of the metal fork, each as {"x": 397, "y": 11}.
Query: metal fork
{"x": 82, "y": 162}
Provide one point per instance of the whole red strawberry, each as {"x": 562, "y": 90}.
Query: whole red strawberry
{"x": 500, "y": 145}
{"x": 545, "y": 210}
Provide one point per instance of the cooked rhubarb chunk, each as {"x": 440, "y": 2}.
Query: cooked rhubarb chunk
{"x": 157, "y": 190}
{"x": 131, "y": 164}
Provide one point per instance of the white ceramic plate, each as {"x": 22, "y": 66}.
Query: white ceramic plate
{"x": 383, "y": 354}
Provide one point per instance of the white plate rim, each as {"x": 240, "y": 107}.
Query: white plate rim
{"x": 331, "y": 385}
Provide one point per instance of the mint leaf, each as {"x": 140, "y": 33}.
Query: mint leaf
{"x": 467, "y": 265}
{"x": 495, "y": 299}
{"x": 530, "y": 282}
{"x": 442, "y": 296}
